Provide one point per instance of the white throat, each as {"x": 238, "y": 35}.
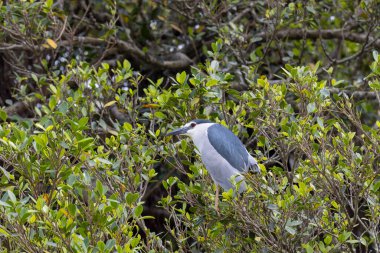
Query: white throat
{"x": 198, "y": 134}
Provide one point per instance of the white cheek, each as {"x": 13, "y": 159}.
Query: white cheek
{"x": 190, "y": 132}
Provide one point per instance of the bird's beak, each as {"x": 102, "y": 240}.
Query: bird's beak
{"x": 182, "y": 130}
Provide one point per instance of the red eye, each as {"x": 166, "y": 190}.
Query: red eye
{"x": 193, "y": 124}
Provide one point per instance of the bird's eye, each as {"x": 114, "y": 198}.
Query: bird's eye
{"x": 193, "y": 124}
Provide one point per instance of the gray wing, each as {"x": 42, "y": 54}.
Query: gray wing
{"x": 229, "y": 146}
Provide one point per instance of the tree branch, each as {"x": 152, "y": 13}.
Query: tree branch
{"x": 298, "y": 34}
{"x": 174, "y": 61}
{"x": 358, "y": 95}
{"x": 20, "y": 107}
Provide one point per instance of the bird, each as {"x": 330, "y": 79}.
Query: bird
{"x": 222, "y": 152}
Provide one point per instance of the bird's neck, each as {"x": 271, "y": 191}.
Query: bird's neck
{"x": 200, "y": 136}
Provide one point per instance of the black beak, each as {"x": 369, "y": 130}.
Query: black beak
{"x": 178, "y": 131}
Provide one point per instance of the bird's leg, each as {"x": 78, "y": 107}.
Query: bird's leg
{"x": 217, "y": 198}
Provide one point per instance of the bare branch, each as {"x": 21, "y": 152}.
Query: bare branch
{"x": 298, "y": 34}
{"x": 358, "y": 95}
{"x": 20, "y": 107}
{"x": 174, "y": 61}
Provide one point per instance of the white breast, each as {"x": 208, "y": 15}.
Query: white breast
{"x": 218, "y": 167}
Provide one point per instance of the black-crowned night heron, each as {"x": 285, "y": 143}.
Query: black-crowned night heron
{"x": 223, "y": 154}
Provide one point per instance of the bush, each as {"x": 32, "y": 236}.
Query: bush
{"x": 319, "y": 190}
{"x": 89, "y": 90}
{"x": 73, "y": 179}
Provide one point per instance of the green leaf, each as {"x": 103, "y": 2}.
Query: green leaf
{"x": 374, "y": 84}
{"x": 308, "y": 248}
{"x": 328, "y": 239}
{"x": 110, "y": 103}
{"x": 110, "y": 244}
{"x": 99, "y": 187}
{"x": 214, "y": 47}
{"x": 3, "y": 115}
{"x": 363, "y": 241}
{"x": 160, "y": 115}
{"x": 344, "y": 236}
{"x": 375, "y": 55}
{"x": 286, "y": 71}
{"x": 214, "y": 65}
{"x": 291, "y": 230}
{"x": 40, "y": 203}
{"x": 127, "y": 126}
{"x": 152, "y": 173}
{"x": 49, "y": 4}
{"x": 159, "y": 81}
{"x": 72, "y": 209}
{"x": 101, "y": 246}
{"x": 181, "y": 77}
{"x": 83, "y": 143}
{"x": 334, "y": 204}
{"x": 311, "y": 107}
{"x": 11, "y": 196}
{"x": 325, "y": 93}
{"x": 34, "y": 77}
{"x": 126, "y": 65}
{"x": 138, "y": 210}
{"x": 8, "y": 175}
{"x": 132, "y": 198}
{"x": 82, "y": 123}
{"x": 105, "y": 65}
{"x": 63, "y": 107}
{"x": 2, "y": 203}
{"x": 211, "y": 82}
{"x": 105, "y": 161}
{"x": 376, "y": 186}
{"x": 4, "y": 232}
{"x": 228, "y": 195}
{"x": 134, "y": 241}
{"x": 53, "y": 89}
{"x": 52, "y": 102}
{"x": 41, "y": 139}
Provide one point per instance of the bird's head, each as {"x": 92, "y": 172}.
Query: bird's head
{"x": 189, "y": 128}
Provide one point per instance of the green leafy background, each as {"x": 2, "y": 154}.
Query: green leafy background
{"x": 86, "y": 166}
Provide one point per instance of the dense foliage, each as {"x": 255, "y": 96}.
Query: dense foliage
{"x": 89, "y": 88}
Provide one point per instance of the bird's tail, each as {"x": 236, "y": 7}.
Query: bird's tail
{"x": 253, "y": 165}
